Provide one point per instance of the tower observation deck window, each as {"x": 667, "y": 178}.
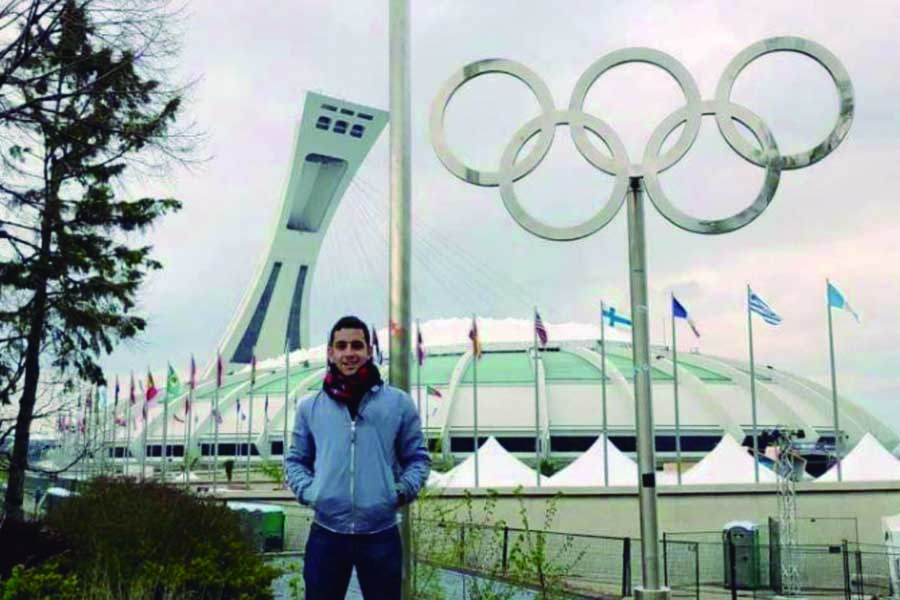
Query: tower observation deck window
{"x": 323, "y": 122}
{"x": 322, "y": 176}
{"x": 340, "y": 127}
{"x": 357, "y": 131}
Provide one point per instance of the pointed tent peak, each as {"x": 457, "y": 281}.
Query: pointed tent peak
{"x": 496, "y": 468}
{"x": 728, "y": 462}
{"x": 587, "y": 469}
{"x": 868, "y": 461}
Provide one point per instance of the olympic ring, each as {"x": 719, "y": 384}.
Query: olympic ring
{"x": 616, "y": 162}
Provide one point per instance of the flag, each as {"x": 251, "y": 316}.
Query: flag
{"x": 379, "y": 357}
{"x": 436, "y": 393}
{"x": 173, "y": 386}
{"x": 476, "y": 341}
{"x": 151, "y": 387}
{"x": 610, "y": 313}
{"x": 131, "y": 397}
{"x": 220, "y": 368}
{"x": 146, "y": 401}
{"x": 121, "y": 422}
{"x": 218, "y": 416}
{"x": 762, "y": 309}
{"x": 192, "y": 385}
{"x": 266, "y": 408}
{"x": 680, "y": 312}
{"x": 240, "y": 413}
{"x": 253, "y": 370}
{"x": 420, "y": 347}
{"x": 836, "y": 300}
{"x": 89, "y": 401}
{"x": 116, "y": 394}
{"x": 539, "y": 329}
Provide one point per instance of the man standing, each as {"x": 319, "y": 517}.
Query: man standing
{"x": 358, "y": 454}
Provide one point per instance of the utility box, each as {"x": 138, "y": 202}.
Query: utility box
{"x": 741, "y": 560}
{"x": 265, "y": 523}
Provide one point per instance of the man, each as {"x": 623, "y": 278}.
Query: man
{"x": 358, "y": 454}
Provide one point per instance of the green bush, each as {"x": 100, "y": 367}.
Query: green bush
{"x": 150, "y": 537}
{"x": 45, "y": 581}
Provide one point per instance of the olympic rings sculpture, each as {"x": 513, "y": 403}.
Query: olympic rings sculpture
{"x": 617, "y": 163}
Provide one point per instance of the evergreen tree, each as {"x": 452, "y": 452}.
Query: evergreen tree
{"x": 79, "y": 104}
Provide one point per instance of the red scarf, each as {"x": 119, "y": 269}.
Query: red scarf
{"x": 351, "y": 388}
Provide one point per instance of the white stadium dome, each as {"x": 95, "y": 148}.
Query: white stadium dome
{"x": 714, "y": 396}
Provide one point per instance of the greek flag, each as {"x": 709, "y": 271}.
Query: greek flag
{"x": 836, "y": 300}
{"x": 762, "y": 309}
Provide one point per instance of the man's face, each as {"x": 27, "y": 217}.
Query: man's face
{"x": 349, "y": 350}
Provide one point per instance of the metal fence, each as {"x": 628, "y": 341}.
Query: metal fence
{"x": 847, "y": 569}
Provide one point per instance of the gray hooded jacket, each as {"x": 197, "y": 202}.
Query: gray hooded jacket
{"x": 355, "y": 473}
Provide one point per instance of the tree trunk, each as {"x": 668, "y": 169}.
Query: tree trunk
{"x": 15, "y": 491}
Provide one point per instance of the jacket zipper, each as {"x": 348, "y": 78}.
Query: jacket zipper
{"x": 352, "y": 475}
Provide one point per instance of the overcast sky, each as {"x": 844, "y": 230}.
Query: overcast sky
{"x": 837, "y": 219}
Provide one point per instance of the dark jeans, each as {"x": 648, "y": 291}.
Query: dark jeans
{"x": 330, "y": 558}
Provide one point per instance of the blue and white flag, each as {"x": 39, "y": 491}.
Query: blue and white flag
{"x": 680, "y": 312}
{"x": 762, "y": 309}
{"x": 611, "y": 314}
{"x": 836, "y": 300}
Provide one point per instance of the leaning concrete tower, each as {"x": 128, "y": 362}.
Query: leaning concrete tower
{"x": 331, "y": 141}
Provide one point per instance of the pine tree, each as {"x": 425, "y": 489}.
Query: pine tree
{"x": 79, "y": 106}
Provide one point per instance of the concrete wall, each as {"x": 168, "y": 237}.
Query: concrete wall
{"x": 704, "y": 508}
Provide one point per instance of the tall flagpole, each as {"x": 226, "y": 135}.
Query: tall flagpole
{"x": 249, "y": 436}
{"x": 400, "y": 249}
{"x": 475, "y": 398}
{"x": 419, "y": 381}
{"x": 189, "y": 417}
{"x": 115, "y": 427}
{"x": 165, "y": 440}
{"x": 675, "y": 384}
{"x": 606, "y": 441}
{"x": 146, "y": 415}
{"x": 753, "y": 391}
{"x": 216, "y": 416}
{"x": 287, "y": 405}
{"x": 838, "y": 439}
{"x": 129, "y": 424}
{"x": 537, "y": 408}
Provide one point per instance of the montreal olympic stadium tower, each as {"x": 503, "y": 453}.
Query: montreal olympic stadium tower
{"x": 564, "y": 384}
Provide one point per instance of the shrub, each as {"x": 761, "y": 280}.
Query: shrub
{"x": 39, "y": 583}
{"x": 148, "y": 536}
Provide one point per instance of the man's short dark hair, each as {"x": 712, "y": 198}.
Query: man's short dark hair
{"x": 349, "y": 322}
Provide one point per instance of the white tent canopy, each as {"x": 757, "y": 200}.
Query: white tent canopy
{"x": 587, "y": 469}
{"x": 868, "y": 461}
{"x": 729, "y": 462}
{"x": 496, "y": 468}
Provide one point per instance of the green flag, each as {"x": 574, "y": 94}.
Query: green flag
{"x": 173, "y": 386}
